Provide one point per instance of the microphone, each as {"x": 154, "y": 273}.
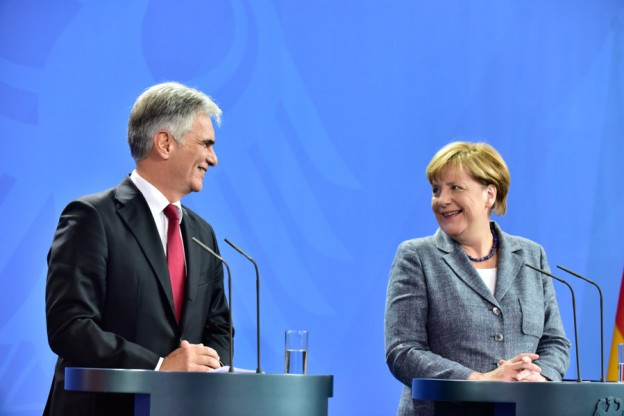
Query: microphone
{"x": 211, "y": 251}
{"x": 258, "y": 370}
{"x": 576, "y": 343}
{"x": 602, "y": 378}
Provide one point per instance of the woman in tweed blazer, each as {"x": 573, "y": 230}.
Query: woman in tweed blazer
{"x": 460, "y": 304}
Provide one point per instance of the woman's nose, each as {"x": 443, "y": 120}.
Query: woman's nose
{"x": 443, "y": 198}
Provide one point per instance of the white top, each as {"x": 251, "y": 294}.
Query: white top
{"x": 489, "y": 278}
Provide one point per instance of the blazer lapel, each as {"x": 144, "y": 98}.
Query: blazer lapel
{"x": 459, "y": 263}
{"x": 135, "y": 213}
{"x": 509, "y": 262}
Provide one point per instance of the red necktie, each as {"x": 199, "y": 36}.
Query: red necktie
{"x": 175, "y": 258}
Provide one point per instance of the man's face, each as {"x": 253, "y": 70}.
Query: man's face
{"x": 190, "y": 161}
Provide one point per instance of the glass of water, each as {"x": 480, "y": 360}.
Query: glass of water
{"x": 621, "y": 363}
{"x": 296, "y": 352}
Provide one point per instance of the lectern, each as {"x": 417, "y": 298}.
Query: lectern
{"x": 528, "y": 399}
{"x": 245, "y": 394}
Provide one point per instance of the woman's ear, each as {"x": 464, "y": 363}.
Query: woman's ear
{"x": 490, "y": 196}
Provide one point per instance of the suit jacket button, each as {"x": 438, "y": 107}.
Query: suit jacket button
{"x": 496, "y": 311}
{"x": 498, "y": 337}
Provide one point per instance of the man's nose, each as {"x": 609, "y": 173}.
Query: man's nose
{"x": 212, "y": 157}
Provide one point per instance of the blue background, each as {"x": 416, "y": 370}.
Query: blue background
{"x": 332, "y": 110}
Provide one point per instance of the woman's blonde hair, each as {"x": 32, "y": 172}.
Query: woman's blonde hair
{"x": 481, "y": 161}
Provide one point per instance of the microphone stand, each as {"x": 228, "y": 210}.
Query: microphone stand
{"x": 576, "y": 343}
{"x": 211, "y": 251}
{"x": 602, "y": 377}
{"x": 235, "y": 247}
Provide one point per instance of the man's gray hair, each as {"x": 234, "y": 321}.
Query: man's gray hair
{"x": 169, "y": 106}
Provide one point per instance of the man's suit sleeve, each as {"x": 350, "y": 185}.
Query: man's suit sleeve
{"x": 76, "y": 292}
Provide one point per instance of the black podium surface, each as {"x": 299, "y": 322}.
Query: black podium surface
{"x": 528, "y": 399}
{"x": 167, "y": 393}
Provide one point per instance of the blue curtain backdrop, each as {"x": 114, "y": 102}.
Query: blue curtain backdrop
{"x": 332, "y": 110}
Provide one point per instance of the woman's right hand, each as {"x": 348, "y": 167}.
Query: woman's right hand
{"x": 518, "y": 368}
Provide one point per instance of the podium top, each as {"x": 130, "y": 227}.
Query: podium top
{"x": 214, "y": 393}
{"x": 568, "y": 398}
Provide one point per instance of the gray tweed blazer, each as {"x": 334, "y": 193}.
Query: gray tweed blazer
{"x": 441, "y": 321}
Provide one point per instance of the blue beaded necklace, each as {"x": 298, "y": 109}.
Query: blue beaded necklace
{"x": 491, "y": 253}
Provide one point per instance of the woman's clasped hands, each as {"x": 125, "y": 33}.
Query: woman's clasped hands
{"x": 518, "y": 368}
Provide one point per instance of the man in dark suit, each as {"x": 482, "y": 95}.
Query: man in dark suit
{"x": 120, "y": 293}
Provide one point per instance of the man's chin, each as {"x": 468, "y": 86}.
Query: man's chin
{"x": 197, "y": 187}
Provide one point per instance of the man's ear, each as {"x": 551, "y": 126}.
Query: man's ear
{"x": 163, "y": 144}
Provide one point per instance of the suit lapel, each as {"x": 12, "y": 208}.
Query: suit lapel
{"x": 193, "y": 263}
{"x": 457, "y": 260}
{"x": 135, "y": 213}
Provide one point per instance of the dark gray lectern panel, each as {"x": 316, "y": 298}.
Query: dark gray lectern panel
{"x": 245, "y": 394}
{"x": 528, "y": 399}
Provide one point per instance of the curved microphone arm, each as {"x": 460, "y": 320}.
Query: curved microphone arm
{"x": 211, "y": 251}
{"x": 576, "y": 343}
{"x": 235, "y": 247}
{"x": 591, "y": 282}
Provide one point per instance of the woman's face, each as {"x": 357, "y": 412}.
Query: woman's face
{"x": 462, "y": 204}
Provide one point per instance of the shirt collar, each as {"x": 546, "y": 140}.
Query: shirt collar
{"x": 155, "y": 199}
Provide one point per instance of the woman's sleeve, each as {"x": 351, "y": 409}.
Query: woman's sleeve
{"x": 554, "y": 346}
{"x": 406, "y": 339}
